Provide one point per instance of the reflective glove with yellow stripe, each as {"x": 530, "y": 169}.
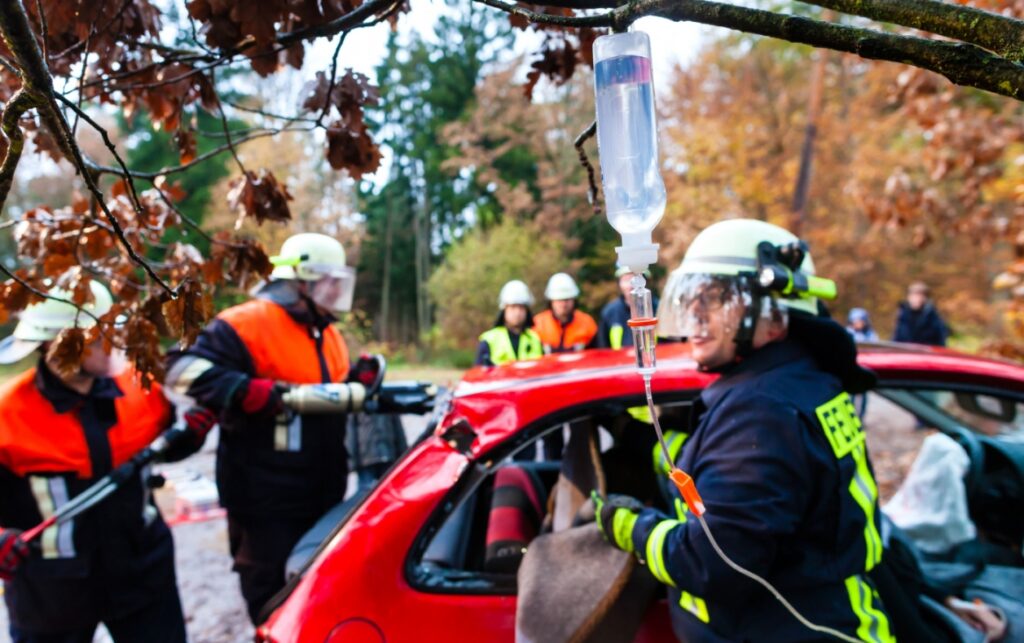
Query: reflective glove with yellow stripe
{"x": 616, "y": 516}
{"x": 628, "y": 525}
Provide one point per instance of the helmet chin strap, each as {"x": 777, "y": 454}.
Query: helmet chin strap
{"x": 748, "y": 323}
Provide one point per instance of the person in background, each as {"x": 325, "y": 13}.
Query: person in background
{"x": 563, "y": 328}
{"x": 60, "y": 432}
{"x": 277, "y": 472}
{"x": 858, "y": 324}
{"x": 512, "y": 337}
{"x": 612, "y": 331}
{"x": 918, "y": 322}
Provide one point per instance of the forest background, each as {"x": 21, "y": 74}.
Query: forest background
{"x": 911, "y": 179}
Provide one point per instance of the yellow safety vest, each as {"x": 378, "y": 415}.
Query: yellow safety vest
{"x": 500, "y": 344}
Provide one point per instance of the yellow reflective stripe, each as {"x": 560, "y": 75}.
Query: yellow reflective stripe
{"x": 681, "y": 510}
{"x": 40, "y": 486}
{"x": 674, "y": 440}
{"x": 615, "y": 335}
{"x": 640, "y": 413}
{"x": 655, "y": 550}
{"x": 622, "y": 529}
{"x": 695, "y": 605}
{"x": 874, "y": 626}
{"x": 865, "y": 493}
{"x": 845, "y": 434}
{"x": 499, "y": 344}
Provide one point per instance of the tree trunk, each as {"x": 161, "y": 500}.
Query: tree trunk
{"x": 803, "y": 179}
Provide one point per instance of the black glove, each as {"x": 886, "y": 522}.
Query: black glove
{"x": 13, "y": 552}
{"x": 616, "y": 516}
{"x": 403, "y": 397}
{"x": 185, "y": 440}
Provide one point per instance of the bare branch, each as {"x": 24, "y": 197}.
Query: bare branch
{"x": 961, "y": 63}
{"x": 602, "y": 20}
{"x": 39, "y": 293}
{"x": 592, "y": 194}
{"x": 43, "y": 30}
{"x": 22, "y": 101}
{"x": 1000, "y": 34}
{"x": 350, "y": 20}
{"x": 17, "y": 34}
{"x": 105, "y": 169}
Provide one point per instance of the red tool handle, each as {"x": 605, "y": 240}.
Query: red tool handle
{"x": 32, "y": 534}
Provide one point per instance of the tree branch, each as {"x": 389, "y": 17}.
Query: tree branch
{"x": 150, "y": 176}
{"x": 1000, "y": 34}
{"x": 961, "y": 63}
{"x": 18, "y": 36}
{"x": 585, "y": 162}
{"x": 602, "y": 20}
{"x": 22, "y": 101}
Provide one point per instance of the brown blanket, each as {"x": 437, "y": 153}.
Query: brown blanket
{"x": 573, "y": 586}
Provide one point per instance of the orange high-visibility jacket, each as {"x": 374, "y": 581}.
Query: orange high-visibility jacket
{"x": 574, "y": 336}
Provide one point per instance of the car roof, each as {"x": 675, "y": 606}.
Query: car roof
{"x": 497, "y": 401}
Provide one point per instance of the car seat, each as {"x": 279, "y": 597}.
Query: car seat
{"x": 517, "y": 508}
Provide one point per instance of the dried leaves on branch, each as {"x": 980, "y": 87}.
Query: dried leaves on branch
{"x": 125, "y": 54}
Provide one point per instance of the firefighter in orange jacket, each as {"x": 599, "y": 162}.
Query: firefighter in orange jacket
{"x": 113, "y": 564}
{"x": 277, "y": 471}
{"x": 561, "y": 327}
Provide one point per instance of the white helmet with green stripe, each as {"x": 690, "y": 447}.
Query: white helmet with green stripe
{"x": 41, "y": 322}
{"x": 742, "y": 261}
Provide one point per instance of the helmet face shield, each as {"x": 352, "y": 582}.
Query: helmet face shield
{"x": 335, "y": 289}
{"x": 699, "y": 305}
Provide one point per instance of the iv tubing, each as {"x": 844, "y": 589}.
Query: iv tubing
{"x": 721, "y": 554}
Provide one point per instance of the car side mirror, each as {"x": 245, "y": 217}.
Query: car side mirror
{"x": 988, "y": 406}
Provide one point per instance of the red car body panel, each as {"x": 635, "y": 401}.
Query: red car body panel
{"x": 357, "y": 585}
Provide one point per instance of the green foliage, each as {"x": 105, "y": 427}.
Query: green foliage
{"x": 465, "y": 288}
{"x": 424, "y": 86}
{"x": 153, "y": 149}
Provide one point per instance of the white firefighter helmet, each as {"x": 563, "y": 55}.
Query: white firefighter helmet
{"x": 723, "y": 263}
{"x": 513, "y": 293}
{"x": 318, "y": 258}
{"x": 308, "y": 257}
{"x": 41, "y": 322}
{"x": 561, "y": 286}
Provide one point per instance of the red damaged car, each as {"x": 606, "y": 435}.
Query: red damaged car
{"x": 407, "y": 561}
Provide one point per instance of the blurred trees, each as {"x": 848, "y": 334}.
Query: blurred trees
{"x": 465, "y": 288}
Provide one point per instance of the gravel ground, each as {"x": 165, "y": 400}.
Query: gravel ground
{"x": 213, "y": 606}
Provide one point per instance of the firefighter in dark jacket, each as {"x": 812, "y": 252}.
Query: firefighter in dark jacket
{"x": 777, "y": 452}
{"x": 612, "y": 331}
{"x": 918, "y": 321}
{"x": 277, "y": 472}
{"x": 113, "y": 564}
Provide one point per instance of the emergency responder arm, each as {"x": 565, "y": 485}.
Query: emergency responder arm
{"x": 483, "y": 355}
{"x": 189, "y": 438}
{"x": 603, "y": 329}
{"x": 754, "y": 475}
{"x": 216, "y": 372}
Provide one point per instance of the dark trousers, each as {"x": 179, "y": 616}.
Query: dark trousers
{"x": 260, "y": 548}
{"x": 160, "y": 622}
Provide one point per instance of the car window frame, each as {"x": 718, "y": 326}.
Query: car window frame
{"x": 479, "y": 583}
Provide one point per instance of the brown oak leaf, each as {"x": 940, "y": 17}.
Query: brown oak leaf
{"x": 260, "y": 196}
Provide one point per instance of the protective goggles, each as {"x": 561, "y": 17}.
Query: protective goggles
{"x": 694, "y": 302}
